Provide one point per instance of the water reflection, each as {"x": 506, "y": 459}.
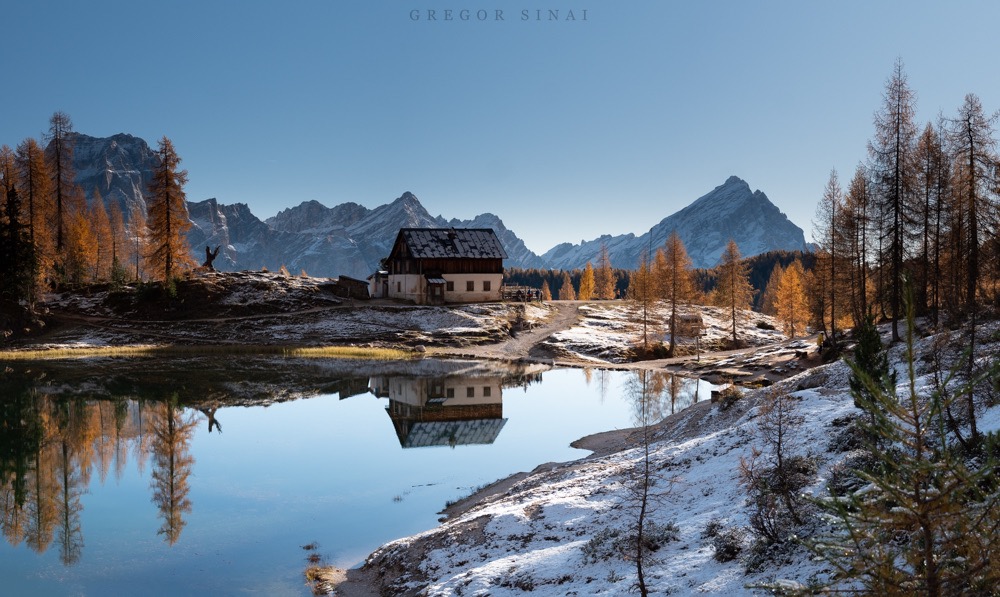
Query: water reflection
{"x": 58, "y": 424}
{"x": 111, "y": 451}
{"x": 449, "y": 411}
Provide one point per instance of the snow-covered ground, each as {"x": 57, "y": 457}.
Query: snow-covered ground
{"x": 552, "y": 532}
{"x": 608, "y": 331}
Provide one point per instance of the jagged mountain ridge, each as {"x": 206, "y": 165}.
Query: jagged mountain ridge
{"x": 731, "y": 210}
{"x": 350, "y": 239}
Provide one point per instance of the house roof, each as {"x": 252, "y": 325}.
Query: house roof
{"x": 448, "y": 243}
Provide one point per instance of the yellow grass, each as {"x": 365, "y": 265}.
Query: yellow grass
{"x": 333, "y": 352}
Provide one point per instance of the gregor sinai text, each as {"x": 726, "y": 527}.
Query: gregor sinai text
{"x": 497, "y": 14}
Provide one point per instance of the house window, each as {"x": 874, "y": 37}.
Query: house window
{"x": 450, "y": 286}
{"x": 470, "y": 392}
{"x": 399, "y": 287}
{"x": 487, "y": 391}
{"x": 470, "y": 286}
{"x": 450, "y": 392}
{"x": 486, "y": 285}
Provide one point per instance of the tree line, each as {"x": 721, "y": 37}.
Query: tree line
{"x": 922, "y": 206}
{"x": 51, "y": 236}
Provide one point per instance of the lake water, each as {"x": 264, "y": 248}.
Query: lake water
{"x": 202, "y": 476}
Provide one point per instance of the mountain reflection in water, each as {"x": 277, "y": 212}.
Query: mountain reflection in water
{"x": 119, "y": 456}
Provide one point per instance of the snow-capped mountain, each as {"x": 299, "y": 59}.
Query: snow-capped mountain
{"x": 348, "y": 239}
{"x": 351, "y": 239}
{"x": 119, "y": 167}
{"x": 730, "y": 211}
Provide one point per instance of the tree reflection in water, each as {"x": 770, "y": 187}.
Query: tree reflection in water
{"x": 172, "y": 465}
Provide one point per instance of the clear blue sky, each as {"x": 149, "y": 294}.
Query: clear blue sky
{"x": 565, "y": 129}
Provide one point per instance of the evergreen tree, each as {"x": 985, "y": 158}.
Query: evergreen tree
{"x": 925, "y": 521}
{"x": 16, "y": 255}
{"x": 734, "y": 291}
{"x": 586, "y": 283}
{"x": 168, "y": 218}
{"x": 870, "y": 365}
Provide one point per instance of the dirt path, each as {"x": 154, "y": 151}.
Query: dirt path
{"x": 523, "y": 344}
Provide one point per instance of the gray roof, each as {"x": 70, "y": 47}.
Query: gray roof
{"x": 423, "y": 434}
{"x": 447, "y": 243}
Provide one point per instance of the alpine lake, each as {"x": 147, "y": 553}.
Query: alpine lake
{"x": 227, "y": 475}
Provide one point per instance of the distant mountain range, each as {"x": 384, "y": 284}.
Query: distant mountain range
{"x": 350, "y": 239}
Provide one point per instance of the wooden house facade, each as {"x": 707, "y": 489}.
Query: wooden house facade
{"x": 444, "y": 265}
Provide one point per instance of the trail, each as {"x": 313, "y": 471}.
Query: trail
{"x": 525, "y": 343}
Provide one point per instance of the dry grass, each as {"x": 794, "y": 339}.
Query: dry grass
{"x": 334, "y": 352}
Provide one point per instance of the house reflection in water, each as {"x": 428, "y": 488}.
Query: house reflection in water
{"x": 444, "y": 411}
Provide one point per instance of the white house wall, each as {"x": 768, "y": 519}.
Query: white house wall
{"x": 413, "y": 287}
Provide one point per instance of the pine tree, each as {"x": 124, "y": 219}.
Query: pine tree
{"x": 674, "y": 273}
{"x": 16, "y": 255}
{"x": 925, "y": 523}
{"x": 168, "y": 218}
{"x": 604, "y": 276}
{"x": 586, "y": 283}
{"x": 792, "y": 307}
{"x": 566, "y": 292}
{"x": 734, "y": 291}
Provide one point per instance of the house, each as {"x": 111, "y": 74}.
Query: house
{"x": 443, "y": 265}
{"x": 448, "y": 411}
{"x": 348, "y": 287}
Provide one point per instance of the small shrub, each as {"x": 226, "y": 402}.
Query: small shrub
{"x": 764, "y": 325}
{"x": 729, "y": 397}
{"x": 728, "y": 544}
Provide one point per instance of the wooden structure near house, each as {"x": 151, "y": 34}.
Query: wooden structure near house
{"x": 443, "y": 265}
{"x": 348, "y": 287}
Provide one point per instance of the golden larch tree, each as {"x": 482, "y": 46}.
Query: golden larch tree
{"x": 769, "y": 299}
{"x": 791, "y": 303}
{"x": 604, "y": 276}
{"x": 586, "y": 283}
{"x": 644, "y": 292}
{"x": 674, "y": 272}
{"x": 734, "y": 291}
{"x": 101, "y": 225}
{"x": 546, "y": 292}
{"x": 33, "y": 185}
{"x": 566, "y": 292}
{"x": 168, "y": 220}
